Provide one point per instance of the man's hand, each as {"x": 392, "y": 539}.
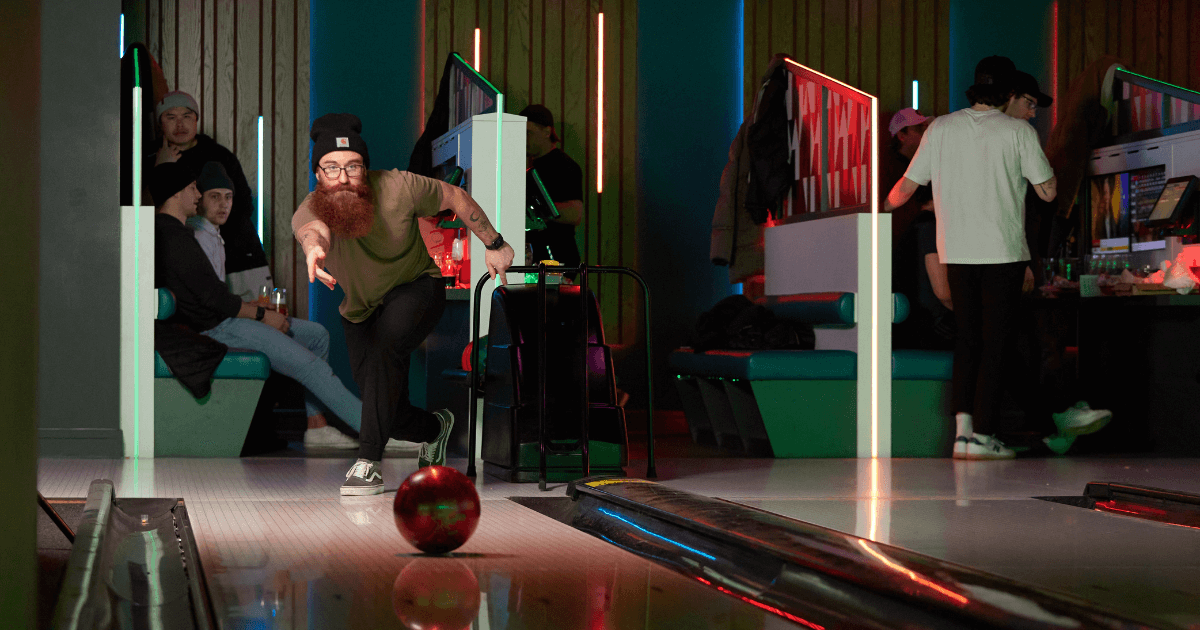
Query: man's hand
{"x": 316, "y": 267}
{"x": 1028, "y": 285}
{"x": 166, "y": 153}
{"x": 498, "y": 261}
{"x": 276, "y": 321}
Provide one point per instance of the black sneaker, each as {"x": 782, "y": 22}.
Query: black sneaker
{"x": 363, "y": 478}
{"x": 434, "y": 453}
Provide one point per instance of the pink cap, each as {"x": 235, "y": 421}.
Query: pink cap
{"x": 906, "y": 117}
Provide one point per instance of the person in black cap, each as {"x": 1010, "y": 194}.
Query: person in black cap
{"x": 359, "y": 229}
{"x": 978, "y": 160}
{"x": 216, "y": 199}
{"x": 245, "y": 259}
{"x": 205, "y": 305}
{"x": 563, "y": 180}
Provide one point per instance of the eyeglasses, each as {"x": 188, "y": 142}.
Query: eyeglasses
{"x": 352, "y": 170}
{"x": 1031, "y": 102}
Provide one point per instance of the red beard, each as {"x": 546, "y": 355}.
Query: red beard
{"x": 348, "y": 210}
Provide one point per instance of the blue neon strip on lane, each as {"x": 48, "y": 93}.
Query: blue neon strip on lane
{"x": 643, "y": 529}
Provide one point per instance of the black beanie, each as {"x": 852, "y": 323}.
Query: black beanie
{"x": 213, "y": 175}
{"x": 167, "y": 179}
{"x": 337, "y": 132}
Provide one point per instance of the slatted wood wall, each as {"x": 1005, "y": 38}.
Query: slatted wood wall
{"x": 545, "y": 51}
{"x": 240, "y": 59}
{"x": 1157, "y": 38}
{"x": 878, "y": 46}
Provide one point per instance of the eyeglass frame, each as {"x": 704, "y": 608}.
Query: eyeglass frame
{"x": 337, "y": 170}
{"x": 1032, "y": 102}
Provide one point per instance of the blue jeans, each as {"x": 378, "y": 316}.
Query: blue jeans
{"x": 302, "y": 354}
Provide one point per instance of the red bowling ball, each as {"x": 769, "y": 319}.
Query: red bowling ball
{"x": 436, "y": 509}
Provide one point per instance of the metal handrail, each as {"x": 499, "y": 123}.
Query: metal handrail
{"x": 583, "y": 270}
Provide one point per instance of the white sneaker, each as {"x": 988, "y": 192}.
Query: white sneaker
{"x": 328, "y": 437}
{"x": 980, "y": 447}
{"x": 401, "y": 447}
{"x": 434, "y": 453}
{"x": 363, "y": 478}
{"x": 1081, "y": 419}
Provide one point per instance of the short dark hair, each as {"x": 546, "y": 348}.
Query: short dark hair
{"x": 993, "y": 95}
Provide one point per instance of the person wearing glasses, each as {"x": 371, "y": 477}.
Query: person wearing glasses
{"x": 978, "y": 160}
{"x": 358, "y": 228}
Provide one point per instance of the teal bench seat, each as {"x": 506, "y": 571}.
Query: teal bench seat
{"x": 213, "y": 426}
{"x": 802, "y": 403}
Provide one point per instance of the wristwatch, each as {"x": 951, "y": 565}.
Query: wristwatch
{"x": 496, "y": 244}
{"x": 260, "y": 313}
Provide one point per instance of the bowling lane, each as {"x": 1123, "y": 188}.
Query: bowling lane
{"x": 281, "y": 549}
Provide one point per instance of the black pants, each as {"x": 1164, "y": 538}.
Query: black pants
{"x": 379, "y": 349}
{"x": 986, "y": 299}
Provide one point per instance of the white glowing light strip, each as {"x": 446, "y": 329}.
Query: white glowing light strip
{"x": 916, "y": 100}
{"x": 260, "y": 180}
{"x": 875, "y": 327}
{"x": 476, "y": 50}
{"x": 122, "y": 51}
{"x": 499, "y": 154}
{"x": 137, "y": 263}
{"x": 600, "y": 104}
{"x": 829, "y": 78}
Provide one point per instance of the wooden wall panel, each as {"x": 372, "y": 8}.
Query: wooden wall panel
{"x": 241, "y": 59}
{"x": 1157, "y": 38}
{"x": 544, "y": 51}
{"x": 859, "y": 42}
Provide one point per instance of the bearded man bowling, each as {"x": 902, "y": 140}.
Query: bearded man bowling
{"x": 359, "y": 229}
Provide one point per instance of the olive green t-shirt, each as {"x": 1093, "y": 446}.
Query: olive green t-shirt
{"x": 393, "y": 252}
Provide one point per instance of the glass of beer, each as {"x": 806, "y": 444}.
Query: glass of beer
{"x": 279, "y": 301}
{"x": 264, "y": 295}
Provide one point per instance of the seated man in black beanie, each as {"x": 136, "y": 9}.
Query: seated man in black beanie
{"x": 362, "y": 224}
{"x": 204, "y": 304}
{"x": 216, "y": 198}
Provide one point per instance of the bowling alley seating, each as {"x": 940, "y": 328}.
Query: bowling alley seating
{"x": 213, "y": 426}
{"x": 802, "y": 403}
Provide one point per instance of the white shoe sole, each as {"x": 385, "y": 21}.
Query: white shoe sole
{"x": 981, "y": 457}
{"x": 358, "y": 491}
{"x": 1084, "y": 429}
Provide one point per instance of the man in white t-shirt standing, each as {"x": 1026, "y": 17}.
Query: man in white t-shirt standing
{"x": 978, "y": 160}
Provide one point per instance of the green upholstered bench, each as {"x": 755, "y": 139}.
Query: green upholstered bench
{"x": 213, "y": 426}
{"x": 751, "y": 401}
{"x": 922, "y": 422}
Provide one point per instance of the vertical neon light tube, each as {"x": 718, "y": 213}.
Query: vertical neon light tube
{"x": 875, "y": 327}
{"x": 499, "y": 152}
{"x": 137, "y": 263}
{"x": 122, "y": 51}
{"x": 260, "y": 180}
{"x": 916, "y": 96}
{"x": 476, "y": 50}
{"x": 600, "y": 104}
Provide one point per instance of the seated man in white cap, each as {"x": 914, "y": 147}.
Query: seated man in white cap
{"x": 216, "y": 198}
{"x": 245, "y": 261}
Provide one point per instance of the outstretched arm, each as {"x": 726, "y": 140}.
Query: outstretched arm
{"x": 314, "y": 240}
{"x": 464, "y": 207}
